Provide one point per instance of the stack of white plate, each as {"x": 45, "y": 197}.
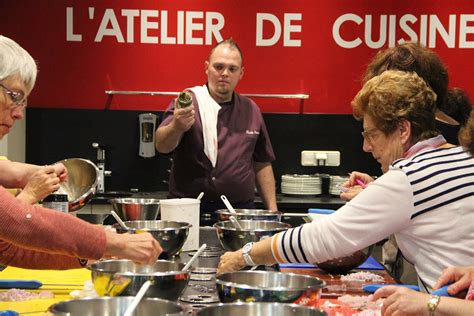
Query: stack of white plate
{"x": 301, "y": 184}
{"x": 335, "y": 183}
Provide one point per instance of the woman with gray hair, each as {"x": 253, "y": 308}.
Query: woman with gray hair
{"x": 36, "y": 237}
{"x": 425, "y": 196}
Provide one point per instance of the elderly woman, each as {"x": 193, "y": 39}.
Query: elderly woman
{"x": 35, "y": 237}
{"x": 425, "y": 200}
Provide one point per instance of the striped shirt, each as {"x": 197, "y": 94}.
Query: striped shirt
{"x": 426, "y": 201}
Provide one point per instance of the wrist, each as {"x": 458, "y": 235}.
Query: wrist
{"x": 26, "y": 197}
{"x": 241, "y": 262}
{"x": 246, "y": 250}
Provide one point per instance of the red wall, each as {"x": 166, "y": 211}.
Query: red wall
{"x": 75, "y": 74}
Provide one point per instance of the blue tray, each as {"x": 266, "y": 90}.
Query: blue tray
{"x": 369, "y": 264}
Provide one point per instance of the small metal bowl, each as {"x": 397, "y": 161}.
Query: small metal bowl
{"x": 267, "y": 286}
{"x": 342, "y": 265}
{"x": 233, "y": 239}
{"x": 171, "y": 235}
{"x": 239, "y": 309}
{"x": 82, "y": 179}
{"x": 134, "y": 209}
{"x": 115, "y": 306}
{"x": 124, "y": 278}
{"x": 243, "y": 214}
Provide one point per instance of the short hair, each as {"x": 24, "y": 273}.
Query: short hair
{"x": 416, "y": 58}
{"x": 394, "y": 96}
{"x": 232, "y": 44}
{"x": 16, "y": 61}
{"x": 457, "y": 105}
{"x": 466, "y": 135}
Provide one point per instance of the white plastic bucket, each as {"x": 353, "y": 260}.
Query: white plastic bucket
{"x": 183, "y": 210}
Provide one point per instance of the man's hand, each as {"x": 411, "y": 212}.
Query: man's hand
{"x": 183, "y": 118}
{"x": 140, "y": 248}
{"x": 42, "y": 183}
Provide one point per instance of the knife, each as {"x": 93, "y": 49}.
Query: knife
{"x": 371, "y": 288}
{"x": 29, "y": 284}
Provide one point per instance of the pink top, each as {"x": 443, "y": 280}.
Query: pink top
{"x": 39, "y": 238}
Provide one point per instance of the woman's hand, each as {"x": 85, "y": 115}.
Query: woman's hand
{"x": 461, "y": 277}
{"x": 42, "y": 183}
{"x": 140, "y": 248}
{"x": 353, "y": 185}
{"x": 231, "y": 261}
{"x": 402, "y": 301}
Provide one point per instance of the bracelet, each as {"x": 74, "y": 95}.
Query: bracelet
{"x": 433, "y": 304}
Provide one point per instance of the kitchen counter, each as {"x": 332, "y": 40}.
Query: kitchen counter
{"x": 200, "y": 292}
{"x": 286, "y": 203}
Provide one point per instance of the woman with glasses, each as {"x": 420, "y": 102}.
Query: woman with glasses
{"x": 425, "y": 200}
{"x": 36, "y": 237}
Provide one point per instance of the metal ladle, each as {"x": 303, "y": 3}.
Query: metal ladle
{"x": 233, "y": 220}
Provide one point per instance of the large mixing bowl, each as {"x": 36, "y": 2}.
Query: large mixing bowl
{"x": 239, "y": 309}
{"x": 243, "y": 214}
{"x": 233, "y": 239}
{"x": 115, "y": 306}
{"x": 266, "y": 286}
{"x": 124, "y": 278}
{"x": 81, "y": 181}
{"x": 171, "y": 235}
{"x": 136, "y": 209}
{"x": 342, "y": 265}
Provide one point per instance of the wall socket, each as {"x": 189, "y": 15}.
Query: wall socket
{"x": 320, "y": 158}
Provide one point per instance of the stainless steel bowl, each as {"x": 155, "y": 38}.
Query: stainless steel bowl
{"x": 240, "y": 309}
{"x": 266, "y": 286}
{"x": 342, "y": 265}
{"x": 171, "y": 235}
{"x": 234, "y": 239}
{"x": 81, "y": 181}
{"x": 135, "y": 209}
{"x": 243, "y": 214}
{"x": 124, "y": 278}
{"x": 114, "y": 306}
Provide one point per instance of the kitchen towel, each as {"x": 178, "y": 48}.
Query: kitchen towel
{"x": 208, "y": 110}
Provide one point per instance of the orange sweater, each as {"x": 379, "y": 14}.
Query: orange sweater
{"x": 38, "y": 238}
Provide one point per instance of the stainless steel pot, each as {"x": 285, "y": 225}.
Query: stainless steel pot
{"x": 136, "y": 209}
{"x": 81, "y": 181}
{"x": 233, "y": 239}
{"x": 240, "y": 309}
{"x": 243, "y": 214}
{"x": 342, "y": 265}
{"x": 171, "y": 235}
{"x": 267, "y": 286}
{"x": 114, "y": 306}
{"x": 124, "y": 278}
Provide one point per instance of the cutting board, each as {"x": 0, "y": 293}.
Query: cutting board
{"x": 75, "y": 276}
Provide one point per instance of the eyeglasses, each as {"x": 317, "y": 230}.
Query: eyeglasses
{"x": 18, "y": 98}
{"x": 369, "y": 134}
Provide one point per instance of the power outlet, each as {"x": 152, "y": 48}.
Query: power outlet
{"x": 320, "y": 158}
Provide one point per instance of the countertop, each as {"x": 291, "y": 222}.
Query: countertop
{"x": 286, "y": 203}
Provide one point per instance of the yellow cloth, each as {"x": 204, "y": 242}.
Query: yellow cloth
{"x": 77, "y": 277}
